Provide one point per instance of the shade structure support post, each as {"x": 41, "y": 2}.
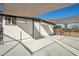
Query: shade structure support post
{"x": 33, "y": 28}
{"x": 1, "y": 29}
{"x": 20, "y": 35}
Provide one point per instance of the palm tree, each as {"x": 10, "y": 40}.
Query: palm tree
{"x": 65, "y": 26}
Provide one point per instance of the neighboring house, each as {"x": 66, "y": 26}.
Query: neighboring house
{"x": 75, "y": 28}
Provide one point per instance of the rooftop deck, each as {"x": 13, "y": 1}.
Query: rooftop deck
{"x": 50, "y": 46}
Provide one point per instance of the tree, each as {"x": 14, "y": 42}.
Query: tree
{"x": 65, "y": 26}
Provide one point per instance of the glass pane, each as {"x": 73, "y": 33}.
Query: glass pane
{"x": 48, "y": 28}
{"x": 42, "y": 29}
{"x": 37, "y": 30}
{"x": 25, "y": 28}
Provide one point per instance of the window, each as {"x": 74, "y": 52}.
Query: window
{"x": 10, "y": 20}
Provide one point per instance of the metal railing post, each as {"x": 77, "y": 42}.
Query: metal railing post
{"x": 20, "y": 35}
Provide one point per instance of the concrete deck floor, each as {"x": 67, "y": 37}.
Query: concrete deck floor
{"x": 50, "y": 46}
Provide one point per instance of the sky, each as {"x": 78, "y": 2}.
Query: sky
{"x": 65, "y": 12}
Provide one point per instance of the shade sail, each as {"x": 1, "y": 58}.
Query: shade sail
{"x": 65, "y": 12}
{"x": 74, "y": 19}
